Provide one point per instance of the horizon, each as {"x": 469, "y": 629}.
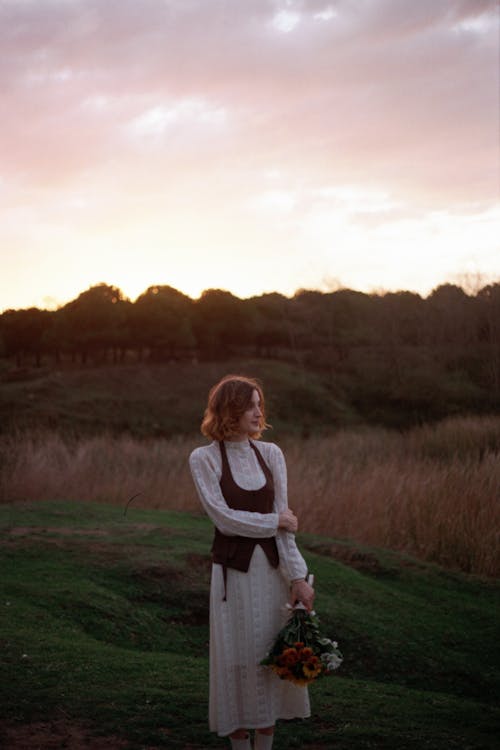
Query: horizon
{"x": 470, "y": 285}
{"x": 271, "y": 145}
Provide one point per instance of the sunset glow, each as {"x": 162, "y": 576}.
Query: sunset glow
{"x": 262, "y": 145}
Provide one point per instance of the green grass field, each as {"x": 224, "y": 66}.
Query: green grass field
{"x": 104, "y": 639}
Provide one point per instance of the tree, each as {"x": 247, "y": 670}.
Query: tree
{"x": 160, "y": 321}
{"x": 23, "y": 332}
{"x": 489, "y": 333}
{"x": 450, "y": 322}
{"x": 95, "y": 322}
{"x": 220, "y": 323}
{"x": 266, "y": 317}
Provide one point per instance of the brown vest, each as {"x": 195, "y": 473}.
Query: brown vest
{"x": 236, "y": 551}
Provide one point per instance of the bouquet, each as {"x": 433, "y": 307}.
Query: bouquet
{"x": 300, "y": 654}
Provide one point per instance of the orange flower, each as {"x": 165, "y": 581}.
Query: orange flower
{"x": 306, "y": 652}
{"x": 289, "y": 657}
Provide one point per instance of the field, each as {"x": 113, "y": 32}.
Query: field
{"x": 104, "y": 560}
{"x": 104, "y": 639}
{"x": 432, "y": 491}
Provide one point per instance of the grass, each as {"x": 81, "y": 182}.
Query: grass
{"x": 431, "y": 491}
{"x": 104, "y": 630}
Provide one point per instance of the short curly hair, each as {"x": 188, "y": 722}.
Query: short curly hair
{"x": 228, "y": 400}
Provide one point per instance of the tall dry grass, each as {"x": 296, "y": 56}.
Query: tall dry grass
{"x": 415, "y": 492}
{"x": 47, "y": 466}
{"x": 433, "y": 492}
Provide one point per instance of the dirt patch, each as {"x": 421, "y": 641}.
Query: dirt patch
{"x": 183, "y": 590}
{"x": 159, "y": 573}
{"x": 197, "y": 568}
{"x": 365, "y": 562}
{"x": 102, "y": 545}
{"x": 101, "y": 541}
{"x": 16, "y": 531}
{"x": 56, "y": 735}
{"x": 61, "y": 530}
{"x": 66, "y": 735}
{"x": 199, "y": 563}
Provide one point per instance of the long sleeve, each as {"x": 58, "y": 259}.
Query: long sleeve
{"x": 205, "y": 470}
{"x": 292, "y": 564}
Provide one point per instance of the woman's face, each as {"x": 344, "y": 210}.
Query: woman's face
{"x": 250, "y": 421}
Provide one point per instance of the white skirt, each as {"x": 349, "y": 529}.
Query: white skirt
{"x": 243, "y": 628}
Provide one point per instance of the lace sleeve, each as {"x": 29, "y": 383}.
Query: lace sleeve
{"x": 227, "y": 520}
{"x": 292, "y": 564}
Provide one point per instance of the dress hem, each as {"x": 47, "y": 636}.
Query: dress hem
{"x": 251, "y": 727}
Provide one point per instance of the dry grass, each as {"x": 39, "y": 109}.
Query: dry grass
{"x": 46, "y": 466}
{"x": 433, "y": 492}
{"x": 385, "y": 489}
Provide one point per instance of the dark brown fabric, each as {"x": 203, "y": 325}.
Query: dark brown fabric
{"x": 236, "y": 551}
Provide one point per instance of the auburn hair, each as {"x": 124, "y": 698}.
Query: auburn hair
{"x": 228, "y": 400}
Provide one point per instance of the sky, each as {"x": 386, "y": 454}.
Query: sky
{"x": 248, "y": 145}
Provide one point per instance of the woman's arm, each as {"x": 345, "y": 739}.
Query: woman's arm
{"x": 227, "y": 520}
{"x": 292, "y": 563}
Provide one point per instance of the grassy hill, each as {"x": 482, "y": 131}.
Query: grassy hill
{"x": 104, "y": 628}
{"x": 158, "y": 399}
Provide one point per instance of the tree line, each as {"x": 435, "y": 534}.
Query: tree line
{"x": 429, "y": 355}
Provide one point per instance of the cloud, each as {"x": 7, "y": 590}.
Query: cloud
{"x": 386, "y": 86}
{"x": 285, "y": 110}
{"x": 285, "y": 21}
{"x": 162, "y": 120}
{"x": 274, "y": 201}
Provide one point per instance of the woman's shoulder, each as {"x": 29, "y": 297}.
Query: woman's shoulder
{"x": 204, "y": 453}
{"x": 269, "y": 451}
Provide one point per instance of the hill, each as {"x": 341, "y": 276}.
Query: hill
{"x": 104, "y": 639}
{"x": 396, "y": 358}
{"x": 159, "y": 400}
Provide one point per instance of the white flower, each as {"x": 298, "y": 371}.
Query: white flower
{"x": 331, "y": 661}
{"x": 334, "y": 662}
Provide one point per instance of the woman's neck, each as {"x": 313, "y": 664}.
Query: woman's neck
{"x": 238, "y": 438}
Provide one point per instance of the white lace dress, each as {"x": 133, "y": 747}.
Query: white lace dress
{"x": 243, "y": 628}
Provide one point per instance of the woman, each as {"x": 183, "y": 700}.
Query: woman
{"x": 257, "y": 567}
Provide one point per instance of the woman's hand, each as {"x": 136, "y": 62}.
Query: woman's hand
{"x": 288, "y": 521}
{"x": 302, "y": 592}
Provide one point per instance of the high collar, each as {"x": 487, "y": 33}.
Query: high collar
{"x": 237, "y": 445}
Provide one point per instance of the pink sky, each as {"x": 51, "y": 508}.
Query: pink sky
{"x": 256, "y": 145}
